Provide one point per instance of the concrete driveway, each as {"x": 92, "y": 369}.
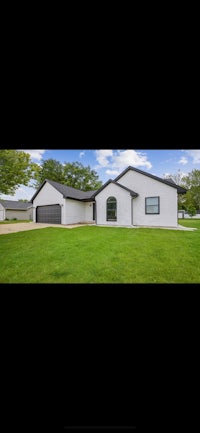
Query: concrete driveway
{"x": 20, "y": 227}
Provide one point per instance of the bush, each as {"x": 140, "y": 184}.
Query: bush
{"x": 191, "y": 211}
{"x": 7, "y": 219}
{"x": 14, "y": 219}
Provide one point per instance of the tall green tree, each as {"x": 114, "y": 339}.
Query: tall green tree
{"x": 16, "y": 169}
{"x": 192, "y": 183}
{"x": 49, "y": 169}
{"x": 81, "y": 177}
{"x": 72, "y": 174}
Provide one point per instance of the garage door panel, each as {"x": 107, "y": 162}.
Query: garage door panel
{"x": 49, "y": 214}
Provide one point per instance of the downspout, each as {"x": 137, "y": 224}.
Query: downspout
{"x": 132, "y": 211}
{"x": 95, "y": 212}
{"x": 177, "y": 208}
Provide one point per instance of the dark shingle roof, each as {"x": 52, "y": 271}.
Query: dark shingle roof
{"x": 67, "y": 191}
{"x": 16, "y": 205}
{"x": 132, "y": 193}
{"x": 180, "y": 190}
{"x": 169, "y": 180}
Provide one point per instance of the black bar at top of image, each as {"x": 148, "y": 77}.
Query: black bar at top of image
{"x": 100, "y": 428}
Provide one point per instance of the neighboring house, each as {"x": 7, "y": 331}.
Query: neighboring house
{"x": 185, "y": 214}
{"x": 132, "y": 198}
{"x": 16, "y": 209}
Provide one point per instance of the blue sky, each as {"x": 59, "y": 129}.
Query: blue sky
{"x": 110, "y": 162}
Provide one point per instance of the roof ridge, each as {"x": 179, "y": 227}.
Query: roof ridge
{"x": 68, "y": 186}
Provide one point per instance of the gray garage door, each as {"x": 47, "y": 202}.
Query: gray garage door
{"x": 49, "y": 214}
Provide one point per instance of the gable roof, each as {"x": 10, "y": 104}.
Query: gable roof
{"x": 67, "y": 191}
{"x": 168, "y": 182}
{"x": 16, "y": 205}
{"x": 132, "y": 193}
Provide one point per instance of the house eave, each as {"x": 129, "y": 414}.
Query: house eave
{"x": 132, "y": 193}
{"x": 159, "y": 179}
{"x": 79, "y": 199}
{"x": 38, "y": 190}
{"x": 17, "y": 208}
{"x": 181, "y": 190}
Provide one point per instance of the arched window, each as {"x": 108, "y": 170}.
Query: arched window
{"x": 111, "y": 209}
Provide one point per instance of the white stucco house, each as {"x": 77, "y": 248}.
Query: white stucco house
{"x": 134, "y": 198}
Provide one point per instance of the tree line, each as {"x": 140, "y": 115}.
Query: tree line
{"x": 191, "y": 200}
{"x": 17, "y": 169}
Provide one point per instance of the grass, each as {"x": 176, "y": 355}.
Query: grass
{"x": 101, "y": 255}
{"x": 190, "y": 222}
{"x": 15, "y": 221}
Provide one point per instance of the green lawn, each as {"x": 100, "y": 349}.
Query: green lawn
{"x": 15, "y": 221}
{"x": 101, "y": 255}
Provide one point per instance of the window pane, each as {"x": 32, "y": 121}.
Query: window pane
{"x": 111, "y": 199}
{"x": 152, "y": 201}
{"x": 152, "y": 205}
{"x": 111, "y": 205}
{"x": 111, "y": 214}
{"x": 112, "y": 209}
{"x": 151, "y": 209}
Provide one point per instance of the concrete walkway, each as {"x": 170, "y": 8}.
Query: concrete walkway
{"x": 20, "y": 227}
{"x": 179, "y": 227}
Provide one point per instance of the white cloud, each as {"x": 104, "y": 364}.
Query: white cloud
{"x": 35, "y": 154}
{"x": 128, "y": 157}
{"x": 102, "y": 156}
{"x": 23, "y": 192}
{"x": 183, "y": 160}
{"x": 113, "y": 172}
{"x": 81, "y": 154}
{"x": 120, "y": 159}
{"x": 195, "y": 154}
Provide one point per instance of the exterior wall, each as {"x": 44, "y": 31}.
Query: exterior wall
{"x": 49, "y": 195}
{"x": 20, "y": 214}
{"x": 78, "y": 212}
{"x": 72, "y": 211}
{"x": 2, "y": 213}
{"x": 148, "y": 187}
{"x": 124, "y": 201}
{"x": 89, "y": 212}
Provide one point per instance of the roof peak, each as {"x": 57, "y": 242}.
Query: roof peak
{"x": 180, "y": 190}
{"x": 133, "y": 193}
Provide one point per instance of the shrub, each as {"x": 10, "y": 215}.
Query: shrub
{"x": 191, "y": 210}
{"x": 7, "y": 219}
{"x": 14, "y": 219}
